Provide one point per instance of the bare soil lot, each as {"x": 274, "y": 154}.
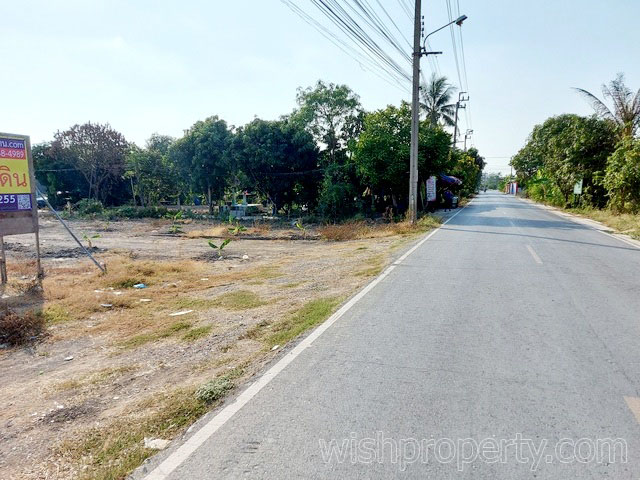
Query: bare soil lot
{"x": 119, "y": 364}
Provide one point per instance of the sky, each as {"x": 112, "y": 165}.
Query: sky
{"x": 159, "y": 66}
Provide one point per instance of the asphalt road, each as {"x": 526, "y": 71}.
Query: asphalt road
{"x": 505, "y": 346}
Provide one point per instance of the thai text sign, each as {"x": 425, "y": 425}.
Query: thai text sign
{"x": 18, "y": 212}
{"x": 15, "y": 181}
{"x": 431, "y": 189}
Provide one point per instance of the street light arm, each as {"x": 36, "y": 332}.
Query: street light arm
{"x": 457, "y": 21}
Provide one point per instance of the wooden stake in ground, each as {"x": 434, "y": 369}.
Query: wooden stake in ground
{"x": 3, "y": 263}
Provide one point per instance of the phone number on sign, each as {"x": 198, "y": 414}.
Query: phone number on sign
{"x": 4, "y": 199}
{"x": 11, "y": 153}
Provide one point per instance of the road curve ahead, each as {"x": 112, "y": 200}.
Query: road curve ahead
{"x": 505, "y": 346}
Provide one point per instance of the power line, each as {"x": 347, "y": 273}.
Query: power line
{"x": 453, "y": 41}
{"x": 354, "y": 31}
{"x": 362, "y": 56}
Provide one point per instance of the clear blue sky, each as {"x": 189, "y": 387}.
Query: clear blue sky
{"x": 159, "y": 66}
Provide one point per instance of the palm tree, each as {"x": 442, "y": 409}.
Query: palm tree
{"x": 626, "y": 105}
{"x": 437, "y": 97}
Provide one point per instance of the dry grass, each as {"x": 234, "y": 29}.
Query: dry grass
{"x": 100, "y": 377}
{"x": 373, "y": 266}
{"x": 110, "y": 452}
{"x": 626, "y": 223}
{"x": 20, "y": 328}
{"x": 356, "y": 230}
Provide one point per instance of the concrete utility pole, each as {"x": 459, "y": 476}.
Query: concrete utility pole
{"x": 466, "y": 137}
{"x": 415, "y": 105}
{"x": 415, "y": 116}
{"x": 458, "y": 106}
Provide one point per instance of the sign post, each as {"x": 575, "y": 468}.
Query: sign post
{"x": 18, "y": 206}
{"x": 431, "y": 189}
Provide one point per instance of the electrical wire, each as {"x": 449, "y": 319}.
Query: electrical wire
{"x": 364, "y": 58}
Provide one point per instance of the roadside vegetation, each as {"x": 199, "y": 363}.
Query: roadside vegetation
{"x": 327, "y": 161}
{"x": 602, "y": 152}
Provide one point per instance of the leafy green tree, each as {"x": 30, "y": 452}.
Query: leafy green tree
{"x": 622, "y": 178}
{"x": 381, "y": 154}
{"x": 569, "y": 148}
{"x": 625, "y": 111}
{"x": 150, "y": 171}
{"x": 332, "y": 113}
{"x": 467, "y": 169}
{"x": 57, "y": 174}
{"x": 279, "y": 159}
{"x": 97, "y": 152}
{"x": 437, "y": 101}
{"x": 203, "y": 155}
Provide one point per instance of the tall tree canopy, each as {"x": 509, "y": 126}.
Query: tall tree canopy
{"x": 381, "y": 154}
{"x": 437, "y": 101}
{"x": 96, "y": 151}
{"x": 568, "y": 148}
{"x": 204, "y": 152}
{"x": 332, "y": 113}
{"x": 278, "y": 159}
{"x": 625, "y": 111}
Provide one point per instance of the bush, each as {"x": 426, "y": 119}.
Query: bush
{"x": 130, "y": 212}
{"x": 622, "y": 179}
{"x": 18, "y": 329}
{"x": 214, "y": 390}
{"x": 87, "y": 206}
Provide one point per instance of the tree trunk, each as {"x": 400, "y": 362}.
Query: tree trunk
{"x": 133, "y": 192}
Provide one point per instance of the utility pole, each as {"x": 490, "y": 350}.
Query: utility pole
{"x": 415, "y": 112}
{"x": 458, "y": 105}
{"x": 467, "y": 136}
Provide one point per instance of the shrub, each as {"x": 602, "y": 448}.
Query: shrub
{"x": 87, "y": 206}
{"x": 214, "y": 390}
{"x": 622, "y": 179}
{"x": 18, "y": 329}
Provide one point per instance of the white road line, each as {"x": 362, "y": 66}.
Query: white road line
{"x": 175, "y": 459}
{"x": 534, "y": 254}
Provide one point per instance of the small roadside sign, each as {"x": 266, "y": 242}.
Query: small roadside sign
{"x": 431, "y": 189}
{"x": 577, "y": 188}
{"x": 18, "y": 208}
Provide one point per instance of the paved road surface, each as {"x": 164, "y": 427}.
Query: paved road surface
{"x": 510, "y": 323}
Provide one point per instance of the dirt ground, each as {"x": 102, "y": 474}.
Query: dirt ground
{"x": 118, "y": 365}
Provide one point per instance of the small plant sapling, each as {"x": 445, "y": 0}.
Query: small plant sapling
{"x": 88, "y": 238}
{"x": 219, "y": 248}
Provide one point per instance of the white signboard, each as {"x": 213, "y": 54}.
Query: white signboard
{"x": 431, "y": 189}
{"x": 577, "y": 188}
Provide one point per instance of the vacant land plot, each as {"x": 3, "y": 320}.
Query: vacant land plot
{"x": 120, "y": 366}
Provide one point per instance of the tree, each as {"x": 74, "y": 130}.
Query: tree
{"x": 625, "y": 111}
{"x": 622, "y": 178}
{"x": 209, "y": 143}
{"x": 97, "y": 152}
{"x": 468, "y": 169}
{"x": 381, "y": 154}
{"x": 332, "y": 113}
{"x": 569, "y": 148}
{"x": 57, "y": 174}
{"x": 437, "y": 101}
{"x": 150, "y": 171}
{"x": 278, "y": 159}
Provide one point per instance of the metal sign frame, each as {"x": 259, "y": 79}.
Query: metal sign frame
{"x": 20, "y": 221}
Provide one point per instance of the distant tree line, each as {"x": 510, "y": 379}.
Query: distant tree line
{"x": 602, "y": 151}
{"x": 328, "y": 157}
